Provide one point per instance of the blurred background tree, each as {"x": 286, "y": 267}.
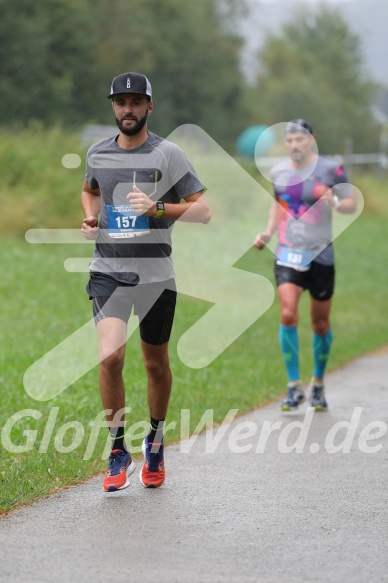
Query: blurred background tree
{"x": 192, "y": 61}
{"x": 45, "y": 56}
{"x": 57, "y": 59}
{"x": 314, "y": 69}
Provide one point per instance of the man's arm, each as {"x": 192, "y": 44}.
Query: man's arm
{"x": 345, "y": 205}
{"x": 91, "y": 203}
{"x": 339, "y": 196}
{"x": 194, "y": 209}
{"x": 263, "y": 238}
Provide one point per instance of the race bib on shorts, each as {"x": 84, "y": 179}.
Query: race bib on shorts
{"x": 124, "y": 223}
{"x": 296, "y": 258}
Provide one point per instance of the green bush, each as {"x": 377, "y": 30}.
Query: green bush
{"x": 37, "y": 191}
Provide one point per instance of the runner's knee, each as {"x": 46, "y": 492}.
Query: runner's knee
{"x": 289, "y": 317}
{"x": 321, "y": 326}
{"x": 156, "y": 369}
{"x": 112, "y": 361}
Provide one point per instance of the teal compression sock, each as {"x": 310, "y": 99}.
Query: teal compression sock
{"x": 321, "y": 349}
{"x": 288, "y": 338}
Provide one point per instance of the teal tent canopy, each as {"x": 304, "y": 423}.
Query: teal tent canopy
{"x": 246, "y": 143}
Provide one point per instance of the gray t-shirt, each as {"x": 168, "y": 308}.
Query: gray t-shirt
{"x": 305, "y": 221}
{"x": 160, "y": 169}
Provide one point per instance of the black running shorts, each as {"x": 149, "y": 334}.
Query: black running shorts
{"x": 318, "y": 280}
{"x": 153, "y": 303}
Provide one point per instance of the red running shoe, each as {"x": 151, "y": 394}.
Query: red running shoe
{"x": 120, "y": 468}
{"x": 152, "y": 474}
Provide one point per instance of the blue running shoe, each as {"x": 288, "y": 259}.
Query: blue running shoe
{"x": 153, "y": 473}
{"x": 295, "y": 396}
{"x": 317, "y": 397}
{"x": 120, "y": 468}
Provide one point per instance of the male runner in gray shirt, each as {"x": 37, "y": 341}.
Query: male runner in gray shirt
{"x": 308, "y": 188}
{"x": 134, "y": 186}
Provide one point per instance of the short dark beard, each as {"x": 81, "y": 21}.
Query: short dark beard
{"x": 135, "y": 129}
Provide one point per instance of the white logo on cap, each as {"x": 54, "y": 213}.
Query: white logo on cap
{"x": 128, "y": 83}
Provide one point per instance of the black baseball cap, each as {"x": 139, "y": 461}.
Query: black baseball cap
{"x": 296, "y": 126}
{"x": 130, "y": 83}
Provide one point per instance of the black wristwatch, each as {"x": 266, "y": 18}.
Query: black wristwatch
{"x": 159, "y": 208}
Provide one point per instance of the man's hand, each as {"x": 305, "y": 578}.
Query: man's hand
{"x": 141, "y": 203}
{"x": 90, "y": 228}
{"x": 261, "y": 240}
{"x": 327, "y": 195}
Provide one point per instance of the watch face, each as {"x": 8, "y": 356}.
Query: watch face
{"x": 160, "y": 206}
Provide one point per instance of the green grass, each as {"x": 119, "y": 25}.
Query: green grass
{"x": 33, "y": 175}
{"x": 42, "y": 304}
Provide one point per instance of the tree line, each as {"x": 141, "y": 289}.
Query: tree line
{"x": 58, "y": 57}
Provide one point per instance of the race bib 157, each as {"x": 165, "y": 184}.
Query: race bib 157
{"x": 123, "y": 222}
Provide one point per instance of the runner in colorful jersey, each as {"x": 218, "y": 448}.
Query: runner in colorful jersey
{"x": 136, "y": 185}
{"x": 308, "y": 188}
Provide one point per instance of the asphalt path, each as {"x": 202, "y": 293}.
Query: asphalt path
{"x": 262, "y": 501}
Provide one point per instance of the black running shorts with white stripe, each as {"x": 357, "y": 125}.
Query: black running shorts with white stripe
{"x": 153, "y": 303}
